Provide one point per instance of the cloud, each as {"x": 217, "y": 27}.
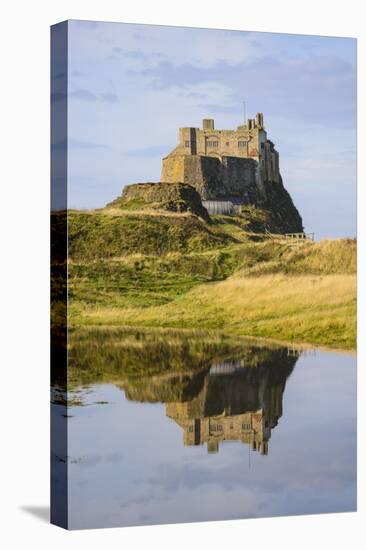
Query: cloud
{"x": 153, "y": 151}
{"x": 76, "y": 144}
{"x": 195, "y": 95}
{"x": 179, "y": 44}
{"x": 236, "y": 109}
{"x": 131, "y": 57}
{"x": 323, "y": 88}
{"x": 138, "y": 36}
{"x": 79, "y": 144}
{"x": 134, "y": 54}
{"x": 109, "y": 98}
{"x": 86, "y": 95}
{"x": 90, "y": 25}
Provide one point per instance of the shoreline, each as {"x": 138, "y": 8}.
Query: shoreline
{"x": 261, "y": 341}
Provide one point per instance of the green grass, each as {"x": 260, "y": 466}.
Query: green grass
{"x": 251, "y": 219}
{"x": 177, "y": 271}
{"x": 106, "y": 234}
{"x": 125, "y": 284}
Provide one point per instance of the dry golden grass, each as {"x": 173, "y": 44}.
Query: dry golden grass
{"x": 320, "y": 309}
{"x": 110, "y": 211}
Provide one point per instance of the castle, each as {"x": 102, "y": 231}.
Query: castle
{"x": 249, "y": 141}
{"x": 231, "y": 172}
{"x": 225, "y": 165}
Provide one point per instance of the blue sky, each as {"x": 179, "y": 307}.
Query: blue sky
{"x": 132, "y": 86}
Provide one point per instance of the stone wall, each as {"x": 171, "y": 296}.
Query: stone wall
{"x": 214, "y": 178}
{"x": 241, "y": 143}
{"x": 248, "y": 141}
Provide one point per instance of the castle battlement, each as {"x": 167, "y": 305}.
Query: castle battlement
{"x": 247, "y": 141}
{"x": 223, "y": 163}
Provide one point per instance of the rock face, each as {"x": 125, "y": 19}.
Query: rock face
{"x": 235, "y": 179}
{"x": 174, "y": 197}
{"x": 285, "y": 216}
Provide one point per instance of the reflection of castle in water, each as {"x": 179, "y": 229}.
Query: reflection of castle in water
{"x": 235, "y": 404}
{"x": 227, "y": 402}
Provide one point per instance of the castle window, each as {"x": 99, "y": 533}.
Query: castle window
{"x": 216, "y": 427}
{"x": 187, "y": 143}
{"x": 212, "y": 144}
{"x": 227, "y": 143}
{"x": 242, "y": 144}
{"x": 246, "y": 426}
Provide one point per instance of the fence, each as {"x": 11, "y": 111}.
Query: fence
{"x": 291, "y": 236}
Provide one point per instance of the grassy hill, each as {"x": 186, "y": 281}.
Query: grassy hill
{"x": 161, "y": 269}
{"x": 111, "y": 232}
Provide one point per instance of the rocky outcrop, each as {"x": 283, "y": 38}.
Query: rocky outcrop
{"x": 284, "y": 214}
{"x": 210, "y": 179}
{"x": 239, "y": 180}
{"x": 174, "y": 197}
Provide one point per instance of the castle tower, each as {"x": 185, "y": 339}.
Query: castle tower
{"x": 208, "y": 124}
{"x": 259, "y": 120}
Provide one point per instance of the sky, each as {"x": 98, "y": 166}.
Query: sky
{"x": 130, "y": 87}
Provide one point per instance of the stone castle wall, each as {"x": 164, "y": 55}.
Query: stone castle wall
{"x": 215, "y": 178}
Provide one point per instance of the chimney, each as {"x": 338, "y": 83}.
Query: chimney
{"x": 208, "y": 124}
{"x": 259, "y": 120}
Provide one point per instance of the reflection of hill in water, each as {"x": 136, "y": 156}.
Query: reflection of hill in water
{"x": 113, "y": 355}
{"x": 215, "y": 388}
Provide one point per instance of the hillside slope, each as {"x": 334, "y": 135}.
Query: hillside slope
{"x": 112, "y": 232}
{"x": 175, "y": 270}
